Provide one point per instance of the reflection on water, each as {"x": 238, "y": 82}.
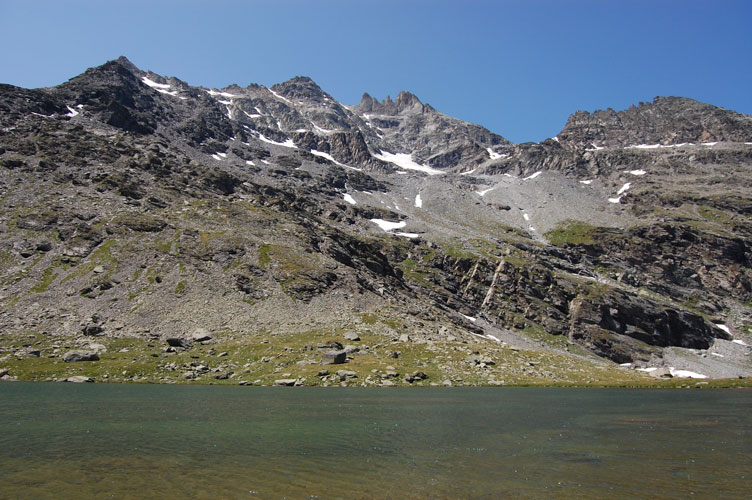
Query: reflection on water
{"x": 127, "y": 441}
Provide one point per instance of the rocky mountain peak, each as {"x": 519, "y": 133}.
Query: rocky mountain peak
{"x": 404, "y": 102}
{"x": 300, "y": 87}
{"x": 665, "y": 121}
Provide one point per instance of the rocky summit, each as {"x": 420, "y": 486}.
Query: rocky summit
{"x": 155, "y": 231}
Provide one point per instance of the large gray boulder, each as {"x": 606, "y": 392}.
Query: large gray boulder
{"x": 334, "y": 358}
{"x": 76, "y": 356}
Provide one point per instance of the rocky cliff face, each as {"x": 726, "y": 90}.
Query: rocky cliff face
{"x": 138, "y": 209}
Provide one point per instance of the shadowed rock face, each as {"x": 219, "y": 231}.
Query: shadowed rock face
{"x": 160, "y": 208}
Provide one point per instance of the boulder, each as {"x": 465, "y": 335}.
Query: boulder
{"x": 76, "y": 356}
{"x": 201, "y": 335}
{"x": 288, "y": 382}
{"x": 178, "y": 342}
{"x": 352, "y": 336}
{"x": 78, "y": 379}
{"x": 330, "y": 344}
{"x": 334, "y": 358}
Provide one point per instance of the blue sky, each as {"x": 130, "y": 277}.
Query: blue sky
{"x": 517, "y": 67}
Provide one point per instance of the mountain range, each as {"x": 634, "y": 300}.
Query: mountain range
{"x": 155, "y": 231}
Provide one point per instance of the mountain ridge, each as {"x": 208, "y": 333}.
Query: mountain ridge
{"x": 137, "y": 210}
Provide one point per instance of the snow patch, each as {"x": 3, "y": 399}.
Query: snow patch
{"x": 72, "y": 112}
{"x": 405, "y": 160}
{"x": 214, "y": 93}
{"x": 526, "y": 216}
{"x": 288, "y": 143}
{"x": 724, "y": 328}
{"x": 250, "y": 115}
{"x": 155, "y": 85}
{"x": 647, "y": 370}
{"x": 615, "y": 200}
{"x": 637, "y": 172}
{"x": 586, "y": 182}
{"x": 533, "y": 176}
{"x": 249, "y": 162}
{"x": 685, "y": 373}
{"x": 493, "y": 154}
{"x": 217, "y": 157}
{"x": 349, "y": 199}
{"x": 469, "y": 172}
{"x": 624, "y": 188}
{"x": 280, "y": 97}
{"x": 595, "y": 148}
{"x": 223, "y": 155}
{"x": 740, "y": 342}
{"x": 469, "y": 318}
{"x": 387, "y": 225}
{"x": 408, "y": 235}
{"x": 418, "y": 201}
{"x": 481, "y": 193}
{"x": 716, "y": 354}
{"x": 709, "y": 143}
{"x": 555, "y": 138}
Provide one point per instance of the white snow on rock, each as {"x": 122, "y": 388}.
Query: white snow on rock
{"x": 685, "y": 373}
{"x": 217, "y": 157}
{"x": 223, "y": 155}
{"x": 418, "y": 201}
{"x": 349, "y": 199}
{"x": 531, "y": 228}
{"x": 72, "y": 112}
{"x": 740, "y": 342}
{"x": 481, "y": 193}
{"x": 331, "y": 159}
{"x": 469, "y": 172}
{"x": 724, "y": 328}
{"x": 323, "y": 155}
{"x": 718, "y": 355}
{"x": 214, "y": 93}
{"x": 408, "y": 235}
{"x": 493, "y": 154}
{"x": 637, "y": 172}
{"x": 387, "y": 225}
{"x": 709, "y": 143}
{"x": 280, "y": 97}
{"x": 405, "y": 160}
{"x": 533, "y": 176}
{"x": 624, "y": 188}
{"x": 595, "y": 148}
{"x": 469, "y": 318}
{"x": 586, "y": 182}
{"x": 251, "y": 116}
{"x": 647, "y": 370}
{"x": 155, "y": 85}
{"x": 615, "y": 200}
{"x": 555, "y": 138}
{"x": 249, "y": 162}
{"x": 526, "y": 216}
{"x": 288, "y": 143}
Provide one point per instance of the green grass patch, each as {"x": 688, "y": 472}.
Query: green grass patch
{"x": 571, "y": 232}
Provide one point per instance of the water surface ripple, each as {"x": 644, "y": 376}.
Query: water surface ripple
{"x": 60, "y": 441}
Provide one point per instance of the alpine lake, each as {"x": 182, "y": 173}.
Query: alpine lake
{"x": 103, "y": 441}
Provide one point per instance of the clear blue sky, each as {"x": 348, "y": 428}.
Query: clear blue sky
{"x": 517, "y": 67}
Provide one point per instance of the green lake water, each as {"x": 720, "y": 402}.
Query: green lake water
{"x": 81, "y": 441}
